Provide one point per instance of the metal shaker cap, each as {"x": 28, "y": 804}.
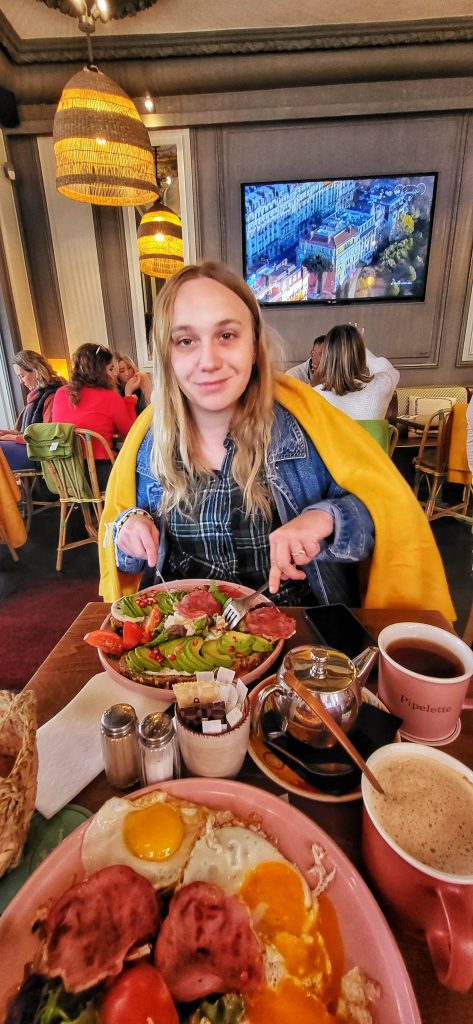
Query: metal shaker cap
{"x": 155, "y": 729}
{"x": 119, "y": 720}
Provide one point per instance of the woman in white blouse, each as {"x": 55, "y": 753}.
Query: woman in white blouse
{"x": 352, "y": 378}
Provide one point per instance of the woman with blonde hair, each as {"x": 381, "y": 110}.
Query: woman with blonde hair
{"x": 41, "y": 381}
{"x": 243, "y": 474}
{"x": 128, "y": 372}
{"x": 350, "y": 377}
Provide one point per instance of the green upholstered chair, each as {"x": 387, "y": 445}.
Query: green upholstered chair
{"x": 385, "y": 433}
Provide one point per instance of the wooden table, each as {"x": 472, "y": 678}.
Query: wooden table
{"x": 72, "y": 663}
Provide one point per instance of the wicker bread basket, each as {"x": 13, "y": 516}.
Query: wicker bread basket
{"x": 19, "y": 766}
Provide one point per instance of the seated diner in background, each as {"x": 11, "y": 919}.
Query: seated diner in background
{"x": 42, "y": 382}
{"x": 128, "y": 373}
{"x": 90, "y": 401}
{"x": 245, "y": 474}
{"x": 308, "y": 370}
{"x": 350, "y": 377}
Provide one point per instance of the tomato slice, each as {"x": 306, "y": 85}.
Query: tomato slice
{"x": 151, "y": 623}
{"x": 138, "y": 996}
{"x": 109, "y": 642}
{"x": 133, "y": 634}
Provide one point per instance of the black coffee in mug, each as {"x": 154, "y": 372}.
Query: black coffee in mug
{"x": 425, "y": 658}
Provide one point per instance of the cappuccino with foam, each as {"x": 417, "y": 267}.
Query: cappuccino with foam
{"x": 427, "y": 809}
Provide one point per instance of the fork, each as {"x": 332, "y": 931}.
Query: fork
{"x": 235, "y": 609}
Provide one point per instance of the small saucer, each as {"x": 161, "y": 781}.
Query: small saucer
{"x": 433, "y": 743}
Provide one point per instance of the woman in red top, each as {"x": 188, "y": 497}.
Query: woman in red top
{"x": 89, "y": 400}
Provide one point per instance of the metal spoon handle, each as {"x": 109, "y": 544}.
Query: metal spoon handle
{"x": 318, "y": 708}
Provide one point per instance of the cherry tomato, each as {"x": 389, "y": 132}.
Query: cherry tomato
{"x": 109, "y": 642}
{"x": 133, "y": 634}
{"x": 151, "y": 623}
{"x": 139, "y": 996}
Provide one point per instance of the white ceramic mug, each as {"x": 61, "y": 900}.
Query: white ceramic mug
{"x": 429, "y": 705}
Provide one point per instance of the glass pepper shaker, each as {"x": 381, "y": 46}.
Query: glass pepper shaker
{"x": 119, "y": 745}
{"x": 158, "y": 749}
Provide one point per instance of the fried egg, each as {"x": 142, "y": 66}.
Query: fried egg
{"x": 153, "y": 834}
{"x": 296, "y": 935}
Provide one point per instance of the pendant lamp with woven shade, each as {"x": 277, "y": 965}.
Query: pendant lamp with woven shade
{"x": 102, "y": 149}
{"x": 160, "y": 247}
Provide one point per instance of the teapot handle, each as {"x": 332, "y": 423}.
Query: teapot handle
{"x": 260, "y": 702}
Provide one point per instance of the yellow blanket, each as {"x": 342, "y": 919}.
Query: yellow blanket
{"x": 12, "y": 527}
{"x": 458, "y": 469}
{"x": 406, "y": 570}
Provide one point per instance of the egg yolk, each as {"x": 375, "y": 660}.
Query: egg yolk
{"x": 287, "y": 1004}
{"x": 275, "y": 895}
{"x": 275, "y": 887}
{"x": 154, "y": 832}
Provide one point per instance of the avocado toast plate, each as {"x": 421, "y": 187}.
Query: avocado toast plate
{"x": 250, "y": 656}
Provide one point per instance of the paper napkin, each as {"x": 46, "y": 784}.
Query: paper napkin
{"x": 69, "y": 750}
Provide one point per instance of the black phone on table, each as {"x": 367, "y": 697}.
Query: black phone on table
{"x": 336, "y": 626}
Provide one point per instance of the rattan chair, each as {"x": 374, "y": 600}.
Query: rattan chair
{"x": 74, "y": 478}
{"x": 431, "y": 465}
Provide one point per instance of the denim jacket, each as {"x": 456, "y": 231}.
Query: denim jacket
{"x": 298, "y": 480}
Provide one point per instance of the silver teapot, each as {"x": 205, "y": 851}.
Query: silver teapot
{"x": 332, "y": 676}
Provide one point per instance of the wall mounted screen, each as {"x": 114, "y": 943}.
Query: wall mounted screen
{"x": 338, "y": 239}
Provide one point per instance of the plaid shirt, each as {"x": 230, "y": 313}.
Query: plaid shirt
{"x": 222, "y": 542}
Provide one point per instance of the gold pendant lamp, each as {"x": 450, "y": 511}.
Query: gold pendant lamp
{"x": 160, "y": 247}
{"x": 102, "y": 148}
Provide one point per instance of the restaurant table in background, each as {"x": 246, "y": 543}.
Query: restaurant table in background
{"x": 72, "y": 663}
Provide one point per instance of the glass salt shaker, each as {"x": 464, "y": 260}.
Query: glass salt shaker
{"x": 119, "y": 745}
{"x": 158, "y": 749}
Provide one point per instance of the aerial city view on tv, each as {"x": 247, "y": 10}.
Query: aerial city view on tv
{"x": 338, "y": 240}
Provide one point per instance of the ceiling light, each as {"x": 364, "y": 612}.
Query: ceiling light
{"x": 102, "y": 149}
{"x": 160, "y": 247}
{"x": 149, "y": 103}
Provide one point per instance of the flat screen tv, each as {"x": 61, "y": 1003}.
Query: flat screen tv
{"x": 338, "y": 240}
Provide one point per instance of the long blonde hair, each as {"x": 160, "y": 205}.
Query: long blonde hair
{"x": 342, "y": 366}
{"x": 30, "y": 361}
{"x": 174, "y": 429}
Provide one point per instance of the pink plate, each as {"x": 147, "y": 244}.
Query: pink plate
{"x": 166, "y": 695}
{"x": 368, "y": 940}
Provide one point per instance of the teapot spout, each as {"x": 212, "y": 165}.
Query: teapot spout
{"x": 364, "y": 662}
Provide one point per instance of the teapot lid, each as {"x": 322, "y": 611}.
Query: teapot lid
{"x": 320, "y": 668}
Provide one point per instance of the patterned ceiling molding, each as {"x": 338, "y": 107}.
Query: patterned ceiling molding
{"x": 241, "y": 41}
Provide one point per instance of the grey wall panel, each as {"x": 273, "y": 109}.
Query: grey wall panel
{"x": 38, "y": 249}
{"x": 415, "y": 335}
{"x": 115, "y": 279}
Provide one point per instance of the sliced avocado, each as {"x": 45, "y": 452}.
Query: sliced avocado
{"x": 241, "y": 642}
{"x": 130, "y": 607}
{"x": 175, "y": 654}
{"x": 261, "y": 644}
{"x": 211, "y": 653}
{"x": 193, "y": 648}
{"x": 139, "y": 660}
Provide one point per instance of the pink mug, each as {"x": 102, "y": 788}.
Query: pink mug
{"x": 429, "y": 705}
{"x": 438, "y": 903}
